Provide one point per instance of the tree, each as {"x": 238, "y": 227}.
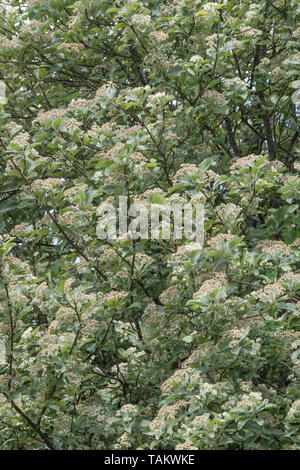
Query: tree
{"x": 138, "y": 344}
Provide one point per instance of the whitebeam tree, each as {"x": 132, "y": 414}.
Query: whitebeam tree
{"x": 149, "y": 344}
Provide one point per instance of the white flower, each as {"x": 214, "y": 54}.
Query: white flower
{"x": 196, "y": 58}
{"x": 27, "y": 333}
{"x": 141, "y": 20}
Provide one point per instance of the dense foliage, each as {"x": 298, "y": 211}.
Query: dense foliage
{"x": 139, "y": 344}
